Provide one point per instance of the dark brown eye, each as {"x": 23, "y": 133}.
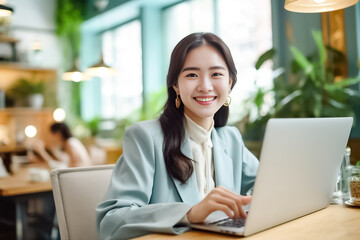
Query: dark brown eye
{"x": 217, "y": 74}
{"x": 191, "y": 75}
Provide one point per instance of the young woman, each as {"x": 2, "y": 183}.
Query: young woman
{"x": 187, "y": 164}
{"x": 64, "y": 150}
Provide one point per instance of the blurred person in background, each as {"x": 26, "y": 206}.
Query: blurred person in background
{"x": 62, "y": 150}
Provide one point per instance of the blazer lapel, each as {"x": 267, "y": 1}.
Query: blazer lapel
{"x": 188, "y": 192}
{"x": 223, "y": 164}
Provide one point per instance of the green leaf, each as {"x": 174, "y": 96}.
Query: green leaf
{"x": 347, "y": 82}
{"x": 264, "y": 57}
{"x": 336, "y": 104}
{"x": 259, "y": 98}
{"x": 302, "y": 60}
{"x": 330, "y": 111}
{"x": 317, "y": 35}
{"x": 352, "y": 94}
{"x": 319, "y": 68}
{"x": 288, "y": 99}
{"x": 358, "y": 163}
{"x": 317, "y": 106}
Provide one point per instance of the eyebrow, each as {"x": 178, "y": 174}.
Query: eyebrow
{"x": 197, "y": 69}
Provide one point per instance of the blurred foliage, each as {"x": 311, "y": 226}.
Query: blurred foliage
{"x": 311, "y": 90}
{"x": 154, "y": 104}
{"x": 69, "y": 16}
{"x": 23, "y": 88}
{"x": 95, "y": 127}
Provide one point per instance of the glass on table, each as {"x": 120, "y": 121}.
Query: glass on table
{"x": 341, "y": 191}
{"x": 354, "y": 185}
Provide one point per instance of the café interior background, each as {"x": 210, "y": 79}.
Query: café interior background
{"x": 135, "y": 39}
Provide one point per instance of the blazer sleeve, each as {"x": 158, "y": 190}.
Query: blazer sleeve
{"x": 126, "y": 213}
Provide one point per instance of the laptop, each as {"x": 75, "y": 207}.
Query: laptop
{"x": 299, "y": 164}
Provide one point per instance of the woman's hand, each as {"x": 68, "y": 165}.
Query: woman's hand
{"x": 219, "y": 199}
{"x": 38, "y": 145}
{"x": 32, "y": 158}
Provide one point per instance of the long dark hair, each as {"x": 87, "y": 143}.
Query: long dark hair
{"x": 172, "y": 119}
{"x": 62, "y": 128}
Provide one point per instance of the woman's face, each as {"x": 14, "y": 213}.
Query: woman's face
{"x": 203, "y": 84}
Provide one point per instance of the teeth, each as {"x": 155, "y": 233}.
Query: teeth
{"x": 205, "y": 99}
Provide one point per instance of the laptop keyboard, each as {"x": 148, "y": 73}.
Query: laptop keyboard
{"x": 231, "y": 222}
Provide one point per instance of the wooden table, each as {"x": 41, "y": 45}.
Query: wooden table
{"x": 17, "y": 187}
{"x": 333, "y": 223}
{"x": 19, "y": 183}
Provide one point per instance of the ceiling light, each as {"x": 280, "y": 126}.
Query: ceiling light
{"x": 75, "y": 75}
{"x": 100, "y": 69}
{"x": 30, "y": 131}
{"x": 316, "y": 6}
{"x": 59, "y": 115}
{"x": 5, "y": 11}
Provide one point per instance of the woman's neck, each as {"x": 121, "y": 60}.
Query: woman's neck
{"x": 205, "y": 123}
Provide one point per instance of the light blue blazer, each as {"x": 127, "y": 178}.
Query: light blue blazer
{"x": 142, "y": 198}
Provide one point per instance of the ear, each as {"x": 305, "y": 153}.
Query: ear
{"x": 230, "y": 84}
{"x": 176, "y": 89}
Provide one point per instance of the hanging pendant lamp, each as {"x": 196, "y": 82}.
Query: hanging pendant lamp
{"x": 5, "y": 10}
{"x": 316, "y": 6}
{"x": 100, "y": 69}
{"x": 75, "y": 75}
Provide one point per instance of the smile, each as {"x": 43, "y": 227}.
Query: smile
{"x": 204, "y": 100}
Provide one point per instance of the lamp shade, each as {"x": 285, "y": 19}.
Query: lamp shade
{"x": 316, "y": 6}
{"x": 100, "y": 69}
{"x": 75, "y": 75}
{"x": 5, "y": 11}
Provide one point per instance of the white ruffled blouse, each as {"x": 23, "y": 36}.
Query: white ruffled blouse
{"x": 201, "y": 148}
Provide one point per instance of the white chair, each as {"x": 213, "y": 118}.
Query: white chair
{"x": 77, "y": 192}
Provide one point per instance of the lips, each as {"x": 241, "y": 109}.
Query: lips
{"x": 205, "y": 100}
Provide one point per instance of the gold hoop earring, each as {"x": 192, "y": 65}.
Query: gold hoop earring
{"x": 177, "y": 101}
{"x": 228, "y": 101}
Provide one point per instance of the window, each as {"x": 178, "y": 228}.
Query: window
{"x": 122, "y": 94}
{"x": 184, "y": 18}
{"x": 245, "y": 26}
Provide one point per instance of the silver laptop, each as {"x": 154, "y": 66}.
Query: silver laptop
{"x": 299, "y": 164}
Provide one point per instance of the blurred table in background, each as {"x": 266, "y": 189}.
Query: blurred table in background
{"x": 23, "y": 203}
{"x": 19, "y": 183}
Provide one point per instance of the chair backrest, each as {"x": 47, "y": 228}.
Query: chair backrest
{"x": 77, "y": 192}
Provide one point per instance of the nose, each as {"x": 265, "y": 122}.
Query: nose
{"x": 205, "y": 84}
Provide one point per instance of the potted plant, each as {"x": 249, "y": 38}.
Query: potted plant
{"x": 311, "y": 91}
{"x": 27, "y": 93}
{"x": 4, "y": 25}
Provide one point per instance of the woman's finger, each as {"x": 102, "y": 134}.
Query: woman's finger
{"x": 230, "y": 203}
{"x": 246, "y": 200}
{"x": 238, "y": 199}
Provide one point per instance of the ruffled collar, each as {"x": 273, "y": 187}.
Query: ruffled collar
{"x": 197, "y": 133}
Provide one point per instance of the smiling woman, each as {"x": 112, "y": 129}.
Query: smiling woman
{"x": 180, "y": 168}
